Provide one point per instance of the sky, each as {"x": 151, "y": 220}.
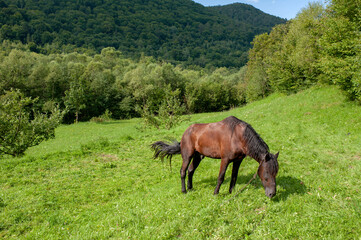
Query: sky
{"x": 282, "y": 8}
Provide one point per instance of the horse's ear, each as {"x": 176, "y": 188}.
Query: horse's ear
{"x": 276, "y": 155}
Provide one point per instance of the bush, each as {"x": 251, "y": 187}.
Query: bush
{"x": 105, "y": 117}
{"x": 20, "y": 126}
{"x": 341, "y": 51}
{"x": 171, "y": 109}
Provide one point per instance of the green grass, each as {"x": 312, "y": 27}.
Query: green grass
{"x": 99, "y": 181}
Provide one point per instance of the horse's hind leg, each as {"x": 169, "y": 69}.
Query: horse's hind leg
{"x": 186, "y": 160}
{"x": 222, "y": 172}
{"x": 197, "y": 158}
{"x": 235, "y": 168}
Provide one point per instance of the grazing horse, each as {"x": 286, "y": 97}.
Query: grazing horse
{"x": 230, "y": 140}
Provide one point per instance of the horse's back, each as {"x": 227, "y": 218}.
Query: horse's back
{"x": 211, "y": 139}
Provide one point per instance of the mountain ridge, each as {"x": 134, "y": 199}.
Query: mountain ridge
{"x": 172, "y": 30}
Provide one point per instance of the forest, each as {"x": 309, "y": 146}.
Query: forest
{"x": 320, "y": 46}
{"x": 179, "y": 32}
{"x": 89, "y": 85}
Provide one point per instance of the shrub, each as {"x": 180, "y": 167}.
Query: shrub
{"x": 171, "y": 109}
{"x": 105, "y": 117}
{"x": 21, "y": 127}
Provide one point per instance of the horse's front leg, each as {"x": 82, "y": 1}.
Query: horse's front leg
{"x": 222, "y": 172}
{"x": 235, "y": 168}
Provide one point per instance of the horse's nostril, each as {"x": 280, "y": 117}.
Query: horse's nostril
{"x": 270, "y": 195}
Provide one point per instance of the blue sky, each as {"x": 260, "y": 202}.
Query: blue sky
{"x": 281, "y": 8}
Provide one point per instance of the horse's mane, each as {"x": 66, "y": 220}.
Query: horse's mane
{"x": 255, "y": 144}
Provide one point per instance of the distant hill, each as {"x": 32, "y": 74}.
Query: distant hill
{"x": 247, "y": 13}
{"x": 178, "y": 31}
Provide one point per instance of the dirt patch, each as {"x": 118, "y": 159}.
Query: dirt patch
{"x": 108, "y": 157}
{"x": 260, "y": 210}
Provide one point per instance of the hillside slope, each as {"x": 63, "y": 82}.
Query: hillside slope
{"x": 247, "y": 13}
{"x": 99, "y": 180}
{"x": 179, "y": 31}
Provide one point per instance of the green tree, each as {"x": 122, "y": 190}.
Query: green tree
{"x": 256, "y": 82}
{"x": 286, "y": 59}
{"x": 340, "y": 44}
{"x": 75, "y": 98}
{"x": 15, "y": 69}
{"x": 171, "y": 109}
{"x": 20, "y": 126}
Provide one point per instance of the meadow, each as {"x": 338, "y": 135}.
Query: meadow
{"x": 99, "y": 181}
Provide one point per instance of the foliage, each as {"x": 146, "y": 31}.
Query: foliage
{"x": 341, "y": 46}
{"x": 105, "y": 117}
{"x": 21, "y": 128}
{"x": 215, "y": 92}
{"x": 149, "y": 118}
{"x": 318, "y": 46}
{"x": 256, "y": 79}
{"x": 286, "y": 59}
{"x": 296, "y": 62}
{"x": 171, "y": 109}
{"x": 75, "y": 98}
{"x": 176, "y": 31}
{"x": 98, "y": 181}
{"x": 87, "y": 86}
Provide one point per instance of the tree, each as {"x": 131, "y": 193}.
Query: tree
{"x": 340, "y": 44}
{"x": 20, "y": 126}
{"x": 286, "y": 59}
{"x": 256, "y": 78}
{"x": 171, "y": 109}
{"x": 75, "y": 98}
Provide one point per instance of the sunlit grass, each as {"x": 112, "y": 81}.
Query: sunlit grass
{"x": 99, "y": 181}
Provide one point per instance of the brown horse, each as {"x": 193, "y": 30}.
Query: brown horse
{"x": 230, "y": 140}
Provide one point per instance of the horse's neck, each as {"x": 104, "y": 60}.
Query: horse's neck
{"x": 258, "y": 157}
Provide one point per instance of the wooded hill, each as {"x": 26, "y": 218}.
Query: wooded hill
{"x": 178, "y": 31}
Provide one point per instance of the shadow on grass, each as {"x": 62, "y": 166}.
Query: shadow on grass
{"x": 212, "y": 182}
{"x": 286, "y": 185}
{"x": 291, "y": 186}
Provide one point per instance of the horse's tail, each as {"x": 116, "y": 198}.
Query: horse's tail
{"x": 166, "y": 150}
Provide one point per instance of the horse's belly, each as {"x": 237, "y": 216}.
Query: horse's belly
{"x": 210, "y": 152}
{"x": 208, "y": 149}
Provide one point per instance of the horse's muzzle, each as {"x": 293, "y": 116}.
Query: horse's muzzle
{"x": 270, "y": 193}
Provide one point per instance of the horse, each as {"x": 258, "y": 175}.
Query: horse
{"x": 230, "y": 140}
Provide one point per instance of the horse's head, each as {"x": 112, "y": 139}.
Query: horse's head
{"x": 267, "y": 171}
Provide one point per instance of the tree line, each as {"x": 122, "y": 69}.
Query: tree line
{"x": 87, "y": 86}
{"x": 39, "y": 91}
{"x": 320, "y": 46}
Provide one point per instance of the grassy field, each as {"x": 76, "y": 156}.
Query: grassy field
{"x": 99, "y": 181}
